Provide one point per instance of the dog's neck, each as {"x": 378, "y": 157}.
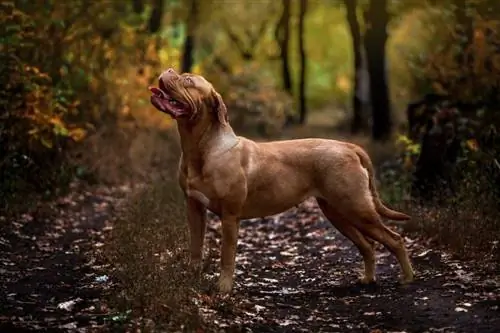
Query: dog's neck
{"x": 200, "y": 140}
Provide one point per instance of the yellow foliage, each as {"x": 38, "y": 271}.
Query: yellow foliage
{"x": 472, "y": 144}
{"x": 466, "y": 71}
{"x": 77, "y": 134}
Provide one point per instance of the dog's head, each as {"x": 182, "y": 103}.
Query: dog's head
{"x": 188, "y": 96}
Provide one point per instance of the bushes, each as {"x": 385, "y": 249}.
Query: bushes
{"x": 451, "y": 169}
{"x": 61, "y": 76}
{"x": 451, "y": 150}
{"x": 461, "y": 60}
{"x": 33, "y": 108}
{"x": 466, "y": 222}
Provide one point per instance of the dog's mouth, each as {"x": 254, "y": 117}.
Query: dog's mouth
{"x": 167, "y": 104}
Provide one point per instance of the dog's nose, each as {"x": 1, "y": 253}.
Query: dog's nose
{"x": 169, "y": 73}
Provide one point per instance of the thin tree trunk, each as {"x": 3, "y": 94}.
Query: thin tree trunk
{"x": 303, "y": 63}
{"x": 138, "y": 6}
{"x": 464, "y": 22}
{"x": 464, "y": 28}
{"x": 359, "y": 121}
{"x": 154, "y": 23}
{"x": 283, "y": 37}
{"x": 375, "y": 42}
{"x": 189, "y": 43}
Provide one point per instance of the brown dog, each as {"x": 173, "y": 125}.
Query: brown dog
{"x": 237, "y": 178}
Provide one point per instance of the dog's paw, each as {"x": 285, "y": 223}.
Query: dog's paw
{"x": 407, "y": 279}
{"x": 365, "y": 280}
{"x": 225, "y": 285}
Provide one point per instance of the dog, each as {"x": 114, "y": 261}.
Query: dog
{"x": 237, "y": 178}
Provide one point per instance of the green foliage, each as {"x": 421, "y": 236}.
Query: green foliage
{"x": 327, "y": 43}
{"x": 411, "y": 149}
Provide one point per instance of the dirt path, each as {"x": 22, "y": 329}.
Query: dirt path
{"x": 49, "y": 278}
{"x": 295, "y": 274}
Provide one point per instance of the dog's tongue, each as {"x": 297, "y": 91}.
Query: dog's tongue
{"x": 155, "y": 91}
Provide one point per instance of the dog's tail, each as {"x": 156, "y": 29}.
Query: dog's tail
{"x": 382, "y": 209}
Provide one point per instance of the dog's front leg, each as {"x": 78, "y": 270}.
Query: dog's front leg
{"x": 197, "y": 221}
{"x": 230, "y": 225}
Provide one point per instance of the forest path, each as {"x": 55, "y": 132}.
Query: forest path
{"x": 295, "y": 273}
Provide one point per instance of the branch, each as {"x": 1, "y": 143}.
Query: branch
{"x": 255, "y": 39}
{"x": 222, "y": 64}
{"x": 237, "y": 41}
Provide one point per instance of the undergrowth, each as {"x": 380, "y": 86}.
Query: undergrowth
{"x": 466, "y": 221}
{"x": 148, "y": 249}
{"x": 463, "y": 220}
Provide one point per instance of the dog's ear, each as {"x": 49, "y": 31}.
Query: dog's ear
{"x": 220, "y": 108}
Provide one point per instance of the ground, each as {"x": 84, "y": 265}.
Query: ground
{"x": 295, "y": 273}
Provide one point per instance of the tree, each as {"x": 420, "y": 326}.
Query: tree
{"x": 359, "y": 100}
{"x": 154, "y": 23}
{"x": 282, "y": 35}
{"x": 375, "y": 41}
{"x": 303, "y": 62}
{"x": 138, "y": 6}
{"x": 188, "y": 49}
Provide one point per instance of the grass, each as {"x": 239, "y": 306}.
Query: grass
{"x": 155, "y": 286}
{"x": 466, "y": 222}
{"x": 148, "y": 250}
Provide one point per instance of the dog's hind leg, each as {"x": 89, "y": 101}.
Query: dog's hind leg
{"x": 352, "y": 198}
{"x": 370, "y": 224}
{"x": 364, "y": 244}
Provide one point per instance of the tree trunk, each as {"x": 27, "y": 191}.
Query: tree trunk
{"x": 188, "y": 48}
{"x": 359, "y": 98}
{"x": 463, "y": 21}
{"x": 156, "y": 16}
{"x": 465, "y": 29}
{"x": 303, "y": 63}
{"x": 283, "y": 37}
{"x": 138, "y": 6}
{"x": 375, "y": 41}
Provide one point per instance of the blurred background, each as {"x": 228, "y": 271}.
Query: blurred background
{"x": 415, "y": 82}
